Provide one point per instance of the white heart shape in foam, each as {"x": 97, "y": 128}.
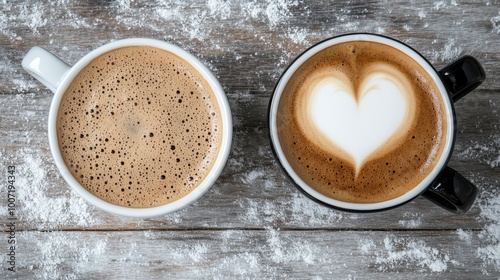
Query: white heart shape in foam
{"x": 359, "y": 127}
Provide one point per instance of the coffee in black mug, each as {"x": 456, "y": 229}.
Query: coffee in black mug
{"x": 362, "y": 122}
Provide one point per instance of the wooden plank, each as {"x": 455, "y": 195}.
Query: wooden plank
{"x": 259, "y": 254}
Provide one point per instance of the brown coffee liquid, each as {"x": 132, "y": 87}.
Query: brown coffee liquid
{"x": 388, "y": 172}
{"x": 139, "y": 127}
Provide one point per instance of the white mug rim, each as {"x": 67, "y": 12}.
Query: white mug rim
{"x": 350, "y": 206}
{"x": 188, "y": 199}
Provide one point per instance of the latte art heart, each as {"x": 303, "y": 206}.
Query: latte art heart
{"x": 355, "y": 124}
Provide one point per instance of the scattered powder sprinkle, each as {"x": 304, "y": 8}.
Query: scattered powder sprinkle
{"x": 465, "y": 235}
{"x": 297, "y": 35}
{"x": 439, "y": 4}
{"x": 285, "y": 250}
{"x": 399, "y": 252}
{"x": 243, "y": 265}
{"x": 250, "y": 177}
{"x": 297, "y": 211}
{"x": 366, "y": 246}
{"x": 411, "y": 223}
{"x": 262, "y": 259}
{"x": 449, "y": 52}
{"x": 196, "y": 252}
{"x": 175, "y": 217}
{"x": 495, "y": 22}
{"x": 278, "y": 11}
{"x": 422, "y": 14}
{"x": 380, "y": 30}
{"x": 239, "y": 264}
{"x": 489, "y": 251}
{"x": 61, "y": 255}
{"x": 39, "y": 209}
{"x": 486, "y": 151}
{"x": 220, "y": 8}
{"x": 304, "y": 211}
{"x": 33, "y": 16}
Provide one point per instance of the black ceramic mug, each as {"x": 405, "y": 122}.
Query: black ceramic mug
{"x": 345, "y": 115}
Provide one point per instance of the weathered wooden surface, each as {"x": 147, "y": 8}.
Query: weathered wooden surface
{"x": 230, "y": 254}
{"x": 252, "y": 224}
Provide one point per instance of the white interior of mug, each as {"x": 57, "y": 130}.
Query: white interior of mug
{"x": 170, "y": 207}
{"x": 362, "y": 206}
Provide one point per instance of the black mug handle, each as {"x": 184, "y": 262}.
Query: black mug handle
{"x": 462, "y": 76}
{"x": 451, "y": 190}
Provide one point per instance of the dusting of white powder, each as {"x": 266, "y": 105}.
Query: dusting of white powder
{"x": 263, "y": 258}
{"x": 253, "y": 175}
{"x": 366, "y": 246}
{"x": 54, "y": 249}
{"x": 176, "y": 217}
{"x": 196, "y": 252}
{"x": 380, "y": 30}
{"x": 489, "y": 251}
{"x": 278, "y": 11}
{"x": 197, "y": 26}
{"x": 242, "y": 264}
{"x": 219, "y": 8}
{"x": 34, "y": 16}
{"x": 297, "y": 35}
{"x": 399, "y": 252}
{"x": 495, "y": 22}
{"x": 284, "y": 250}
{"x": 439, "y": 4}
{"x": 422, "y": 14}
{"x": 465, "y": 235}
{"x": 449, "y": 52}
{"x": 40, "y": 209}
{"x": 486, "y": 150}
{"x": 411, "y": 219}
{"x": 297, "y": 209}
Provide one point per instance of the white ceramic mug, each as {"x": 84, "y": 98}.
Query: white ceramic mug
{"x": 57, "y": 76}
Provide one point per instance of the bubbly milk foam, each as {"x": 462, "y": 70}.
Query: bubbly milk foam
{"x": 139, "y": 127}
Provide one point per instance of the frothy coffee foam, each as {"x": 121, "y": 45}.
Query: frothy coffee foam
{"x": 139, "y": 127}
{"x": 361, "y": 122}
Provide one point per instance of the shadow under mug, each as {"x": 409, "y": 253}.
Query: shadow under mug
{"x": 57, "y": 76}
{"x": 443, "y": 186}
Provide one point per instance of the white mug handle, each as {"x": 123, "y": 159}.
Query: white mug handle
{"x": 45, "y": 67}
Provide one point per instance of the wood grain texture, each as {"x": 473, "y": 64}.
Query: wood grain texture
{"x": 253, "y": 223}
{"x": 257, "y": 254}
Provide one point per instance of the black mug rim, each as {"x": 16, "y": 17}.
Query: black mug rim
{"x": 297, "y": 185}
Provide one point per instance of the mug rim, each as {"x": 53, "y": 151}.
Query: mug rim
{"x": 196, "y": 193}
{"x": 350, "y": 206}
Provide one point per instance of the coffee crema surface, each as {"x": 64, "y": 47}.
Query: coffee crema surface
{"x": 139, "y": 127}
{"x": 361, "y": 122}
